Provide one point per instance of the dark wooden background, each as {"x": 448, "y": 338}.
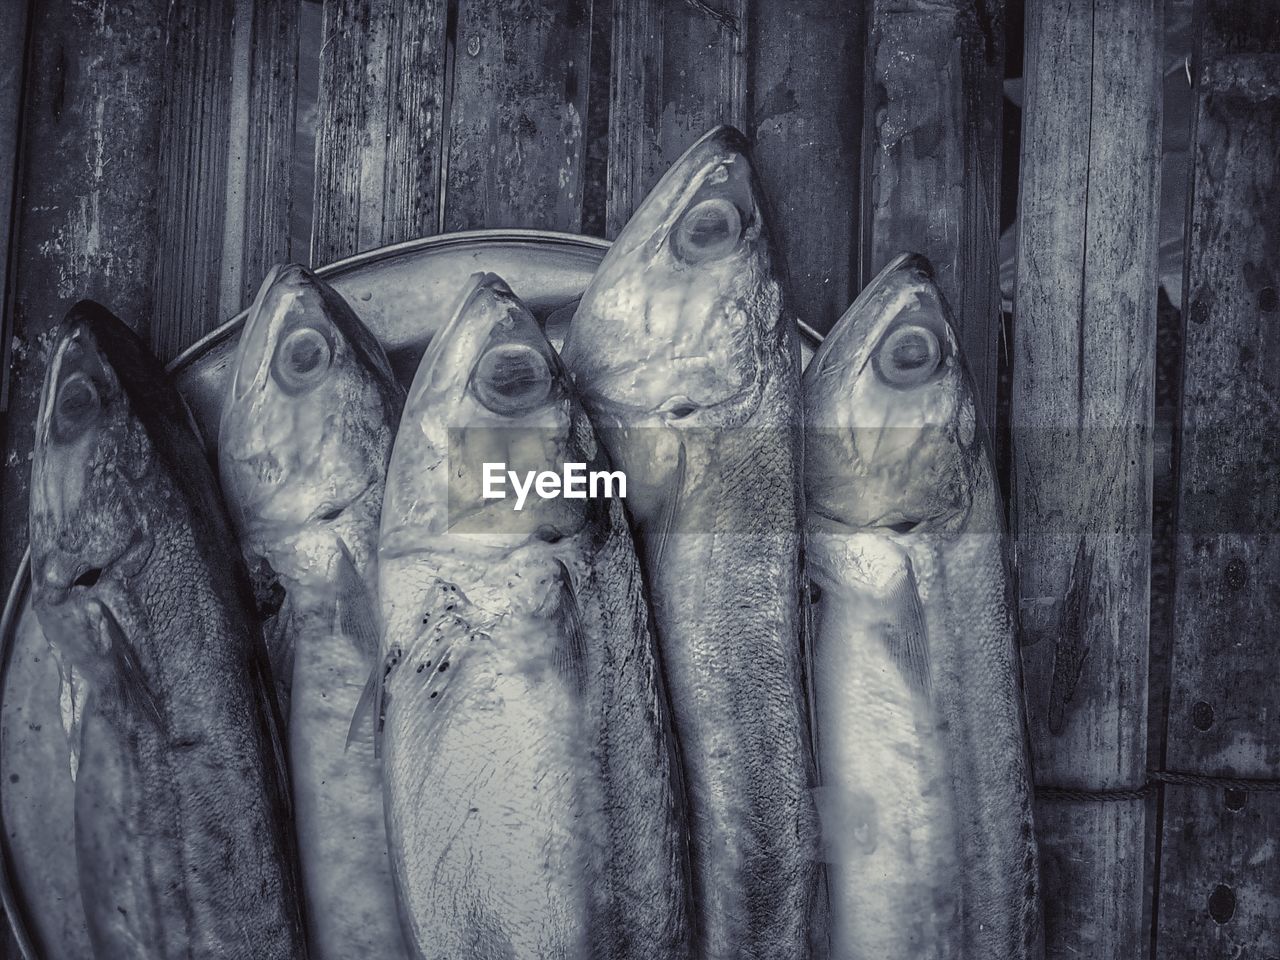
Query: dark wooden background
{"x": 160, "y": 155}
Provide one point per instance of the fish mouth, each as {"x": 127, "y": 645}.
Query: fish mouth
{"x": 859, "y": 322}
{"x": 669, "y": 199}
{"x": 255, "y": 335}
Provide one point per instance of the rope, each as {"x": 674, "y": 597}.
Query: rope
{"x": 1154, "y": 780}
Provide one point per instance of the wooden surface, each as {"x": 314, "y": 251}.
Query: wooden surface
{"x": 88, "y": 211}
{"x": 789, "y": 75}
{"x": 192, "y": 185}
{"x": 678, "y": 71}
{"x": 805, "y": 120}
{"x": 518, "y": 114}
{"x": 935, "y": 73}
{"x": 1083, "y": 356}
{"x": 255, "y": 233}
{"x": 378, "y": 145}
{"x": 1222, "y": 717}
{"x": 13, "y": 43}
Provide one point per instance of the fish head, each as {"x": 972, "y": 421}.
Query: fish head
{"x": 682, "y": 325}
{"x": 307, "y": 426}
{"x": 115, "y": 454}
{"x": 489, "y": 390}
{"x": 893, "y": 438}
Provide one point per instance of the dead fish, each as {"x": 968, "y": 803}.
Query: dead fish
{"x": 908, "y": 545}
{"x": 688, "y": 363}
{"x": 533, "y": 799}
{"x": 183, "y": 830}
{"x": 305, "y": 437}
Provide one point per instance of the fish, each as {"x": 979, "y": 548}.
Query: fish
{"x": 303, "y": 445}
{"x": 533, "y": 798}
{"x": 921, "y": 723}
{"x": 688, "y": 362}
{"x": 183, "y": 829}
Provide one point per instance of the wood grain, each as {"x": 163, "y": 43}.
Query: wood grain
{"x": 805, "y": 81}
{"x": 1081, "y": 407}
{"x": 679, "y": 69}
{"x": 13, "y": 46}
{"x": 192, "y": 187}
{"x": 264, "y": 101}
{"x": 1222, "y": 704}
{"x": 935, "y": 74}
{"x": 88, "y": 210}
{"x": 378, "y": 149}
{"x": 518, "y": 114}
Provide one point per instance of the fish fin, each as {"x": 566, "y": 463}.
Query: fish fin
{"x": 71, "y": 702}
{"x": 666, "y": 519}
{"x": 128, "y": 670}
{"x": 355, "y": 615}
{"x": 906, "y": 636}
{"x": 371, "y": 708}
{"x": 571, "y": 653}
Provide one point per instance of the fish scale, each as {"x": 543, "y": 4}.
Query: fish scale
{"x": 534, "y": 806}
{"x": 182, "y": 821}
{"x": 916, "y": 641}
{"x": 688, "y": 362}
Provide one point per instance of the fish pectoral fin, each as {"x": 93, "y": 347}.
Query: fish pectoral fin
{"x": 72, "y": 696}
{"x": 666, "y": 520}
{"x": 370, "y": 711}
{"x": 355, "y": 614}
{"x": 128, "y": 670}
{"x": 571, "y": 653}
{"x": 906, "y": 636}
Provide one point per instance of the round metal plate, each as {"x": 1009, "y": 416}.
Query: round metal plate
{"x": 402, "y": 293}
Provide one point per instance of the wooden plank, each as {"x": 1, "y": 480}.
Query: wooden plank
{"x": 260, "y": 166}
{"x": 378, "y": 150}
{"x": 1222, "y": 717}
{"x": 935, "y": 73}
{"x": 805, "y": 118}
{"x": 88, "y": 206}
{"x": 193, "y": 172}
{"x": 1081, "y": 409}
{"x": 518, "y": 115}
{"x": 679, "y": 69}
{"x": 1220, "y": 875}
{"x": 13, "y": 47}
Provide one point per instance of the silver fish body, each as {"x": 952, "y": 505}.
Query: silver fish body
{"x": 688, "y": 363}
{"x": 304, "y": 441}
{"x": 182, "y": 828}
{"x": 921, "y": 721}
{"x": 532, "y": 796}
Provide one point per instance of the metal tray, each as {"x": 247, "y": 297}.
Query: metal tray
{"x": 402, "y": 293}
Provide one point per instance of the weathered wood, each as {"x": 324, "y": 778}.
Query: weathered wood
{"x": 378, "y": 150}
{"x": 518, "y": 114}
{"x": 935, "y": 73}
{"x": 805, "y": 119}
{"x": 13, "y": 46}
{"x": 1081, "y": 407}
{"x": 1220, "y": 876}
{"x": 1222, "y": 716}
{"x": 264, "y": 100}
{"x": 88, "y": 206}
{"x": 679, "y": 69}
{"x": 193, "y": 173}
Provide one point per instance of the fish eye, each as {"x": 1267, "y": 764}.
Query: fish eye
{"x": 708, "y": 230}
{"x": 512, "y": 377}
{"x": 301, "y": 359}
{"x": 909, "y": 355}
{"x": 77, "y": 404}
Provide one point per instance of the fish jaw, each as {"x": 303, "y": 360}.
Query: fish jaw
{"x": 893, "y": 436}
{"x": 683, "y": 327}
{"x": 307, "y": 426}
{"x": 490, "y": 389}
